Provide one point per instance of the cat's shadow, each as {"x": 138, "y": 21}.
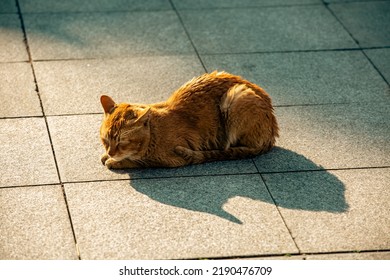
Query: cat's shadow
{"x": 188, "y": 188}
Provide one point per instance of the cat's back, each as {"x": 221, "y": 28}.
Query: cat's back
{"x": 209, "y": 88}
{"x": 206, "y": 87}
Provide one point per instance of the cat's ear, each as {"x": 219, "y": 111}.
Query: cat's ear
{"x": 108, "y": 103}
{"x": 143, "y": 116}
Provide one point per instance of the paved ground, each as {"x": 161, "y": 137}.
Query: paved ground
{"x": 322, "y": 193}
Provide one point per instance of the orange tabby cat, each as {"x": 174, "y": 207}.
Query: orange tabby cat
{"x": 217, "y": 116}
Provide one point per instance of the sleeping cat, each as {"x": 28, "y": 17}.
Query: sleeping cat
{"x": 217, "y": 116}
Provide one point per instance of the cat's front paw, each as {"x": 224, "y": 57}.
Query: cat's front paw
{"x": 112, "y": 164}
{"x": 104, "y": 158}
{"x": 122, "y": 164}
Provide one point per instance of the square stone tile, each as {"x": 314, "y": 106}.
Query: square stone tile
{"x": 308, "y": 77}
{"x": 348, "y": 1}
{"x": 176, "y": 218}
{"x": 12, "y": 43}
{"x": 316, "y": 191}
{"x": 351, "y": 256}
{"x": 316, "y": 227}
{"x": 97, "y": 35}
{"x": 17, "y": 91}
{"x": 279, "y": 258}
{"x": 26, "y": 156}
{"x": 8, "y": 6}
{"x": 69, "y": 87}
{"x": 368, "y": 22}
{"x": 331, "y": 256}
{"x": 78, "y": 149}
{"x": 34, "y": 6}
{"x": 206, "y": 4}
{"x": 267, "y": 29}
{"x": 381, "y": 59}
{"x": 334, "y": 136}
{"x": 35, "y": 224}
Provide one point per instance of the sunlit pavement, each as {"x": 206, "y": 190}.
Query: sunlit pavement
{"x": 322, "y": 193}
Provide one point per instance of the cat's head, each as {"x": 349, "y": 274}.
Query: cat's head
{"x": 125, "y": 131}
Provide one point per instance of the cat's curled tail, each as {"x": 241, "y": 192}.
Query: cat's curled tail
{"x": 196, "y": 157}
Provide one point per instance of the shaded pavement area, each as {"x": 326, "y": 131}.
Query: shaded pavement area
{"x": 322, "y": 193}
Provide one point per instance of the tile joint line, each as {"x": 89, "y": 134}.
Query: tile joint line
{"x": 277, "y": 208}
{"x": 30, "y": 60}
{"x": 326, "y": 4}
{"x": 188, "y": 35}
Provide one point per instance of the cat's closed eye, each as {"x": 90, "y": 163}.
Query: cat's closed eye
{"x": 123, "y": 145}
{"x": 105, "y": 142}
